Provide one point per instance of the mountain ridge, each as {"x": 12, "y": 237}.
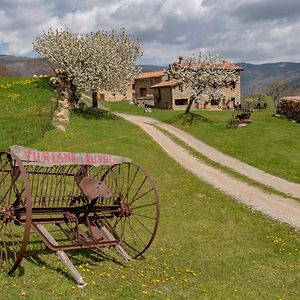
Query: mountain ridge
{"x": 254, "y": 78}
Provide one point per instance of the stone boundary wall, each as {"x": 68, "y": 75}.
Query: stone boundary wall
{"x": 290, "y": 107}
{"x": 61, "y": 116}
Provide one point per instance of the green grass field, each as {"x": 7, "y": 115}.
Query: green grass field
{"x": 207, "y": 245}
{"x": 25, "y": 110}
{"x": 269, "y": 143}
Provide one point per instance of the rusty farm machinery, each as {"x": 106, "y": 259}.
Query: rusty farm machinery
{"x": 73, "y": 201}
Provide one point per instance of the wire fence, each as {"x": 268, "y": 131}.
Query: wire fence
{"x": 26, "y": 129}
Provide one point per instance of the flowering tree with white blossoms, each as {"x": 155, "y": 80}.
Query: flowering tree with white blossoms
{"x": 204, "y": 75}
{"x": 95, "y": 61}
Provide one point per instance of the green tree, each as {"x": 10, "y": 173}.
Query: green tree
{"x": 276, "y": 90}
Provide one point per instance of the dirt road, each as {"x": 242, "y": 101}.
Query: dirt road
{"x": 283, "y": 209}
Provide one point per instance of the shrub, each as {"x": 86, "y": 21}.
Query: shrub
{"x": 188, "y": 119}
{"x": 95, "y": 113}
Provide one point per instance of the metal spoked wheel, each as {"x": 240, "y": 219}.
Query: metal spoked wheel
{"x": 137, "y": 219}
{"x": 15, "y": 211}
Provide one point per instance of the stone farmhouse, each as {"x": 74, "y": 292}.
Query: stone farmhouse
{"x": 157, "y": 89}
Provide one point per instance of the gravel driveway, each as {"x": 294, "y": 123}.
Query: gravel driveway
{"x": 284, "y": 209}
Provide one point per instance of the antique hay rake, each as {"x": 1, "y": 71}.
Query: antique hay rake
{"x": 74, "y": 201}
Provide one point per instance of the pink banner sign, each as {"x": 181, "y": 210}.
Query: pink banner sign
{"x": 45, "y": 158}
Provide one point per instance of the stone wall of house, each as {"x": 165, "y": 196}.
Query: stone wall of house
{"x": 145, "y": 83}
{"x": 110, "y": 96}
{"x": 178, "y": 93}
{"x": 181, "y": 92}
{"x": 233, "y": 93}
{"x": 165, "y": 101}
{"x": 186, "y": 93}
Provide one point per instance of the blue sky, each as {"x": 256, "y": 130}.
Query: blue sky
{"x": 254, "y": 31}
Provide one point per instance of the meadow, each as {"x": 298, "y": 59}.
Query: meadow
{"x": 269, "y": 143}
{"x": 25, "y": 110}
{"x": 207, "y": 246}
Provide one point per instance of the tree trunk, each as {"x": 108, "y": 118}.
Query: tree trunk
{"x": 94, "y": 99}
{"x": 275, "y": 104}
{"x": 191, "y": 101}
{"x": 72, "y": 95}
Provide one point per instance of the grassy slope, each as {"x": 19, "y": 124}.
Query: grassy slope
{"x": 207, "y": 246}
{"x": 269, "y": 143}
{"x": 25, "y": 110}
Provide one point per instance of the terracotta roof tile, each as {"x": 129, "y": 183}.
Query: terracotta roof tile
{"x": 169, "y": 83}
{"x": 229, "y": 65}
{"x": 225, "y": 65}
{"x": 293, "y": 98}
{"x": 150, "y": 74}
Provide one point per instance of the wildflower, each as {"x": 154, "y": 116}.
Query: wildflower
{"x": 155, "y": 281}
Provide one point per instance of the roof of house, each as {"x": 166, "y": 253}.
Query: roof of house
{"x": 223, "y": 65}
{"x": 152, "y": 74}
{"x": 293, "y": 98}
{"x": 168, "y": 83}
{"x": 232, "y": 66}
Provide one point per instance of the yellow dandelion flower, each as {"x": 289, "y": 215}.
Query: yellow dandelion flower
{"x": 155, "y": 281}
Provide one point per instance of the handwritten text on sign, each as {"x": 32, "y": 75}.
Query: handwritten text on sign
{"x": 45, "y": 158}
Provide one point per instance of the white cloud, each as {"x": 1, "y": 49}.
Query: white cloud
{"x": 240, "y": 30}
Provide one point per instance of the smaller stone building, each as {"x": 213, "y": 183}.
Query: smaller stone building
{"x": 143, "y": 94}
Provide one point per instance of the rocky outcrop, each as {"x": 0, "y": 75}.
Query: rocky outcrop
{"x": 61, "y": 116}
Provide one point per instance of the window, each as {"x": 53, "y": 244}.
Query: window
{"x": 232, "y": 84}
{"x": 143, "y": 92}
{"x": 180, "y": 87}
{"x": 181, "y": 101}
{"x": 214, "y": 102}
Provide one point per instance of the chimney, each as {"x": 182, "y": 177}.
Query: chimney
{"x": 180, "y": 58}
